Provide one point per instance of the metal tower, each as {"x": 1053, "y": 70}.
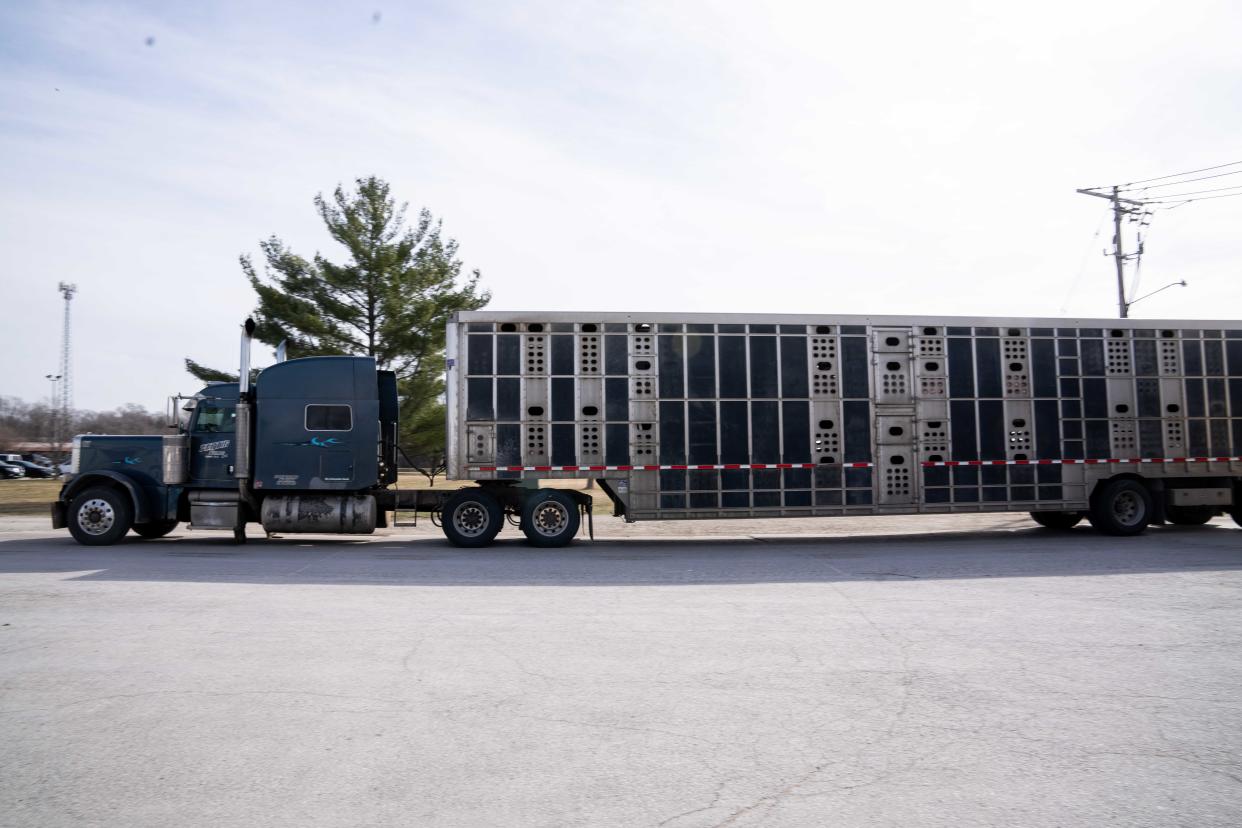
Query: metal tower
{"x": 66, "y": 362}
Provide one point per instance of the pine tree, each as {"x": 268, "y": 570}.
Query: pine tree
{"x": 391, "y": 300}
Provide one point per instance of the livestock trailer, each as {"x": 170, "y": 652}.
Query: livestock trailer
{"x": 708, "y": 416}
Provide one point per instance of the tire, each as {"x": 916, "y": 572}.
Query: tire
{"x": 1060, "y": 521}
{"x": 550, "y": 518}
{"x": 100, "y": 516}
{"x": 471, "y": 518}
{"x": 158, "y": 529}
{"x": 1121, "y": 507}
{"x": 1189, "y": 515}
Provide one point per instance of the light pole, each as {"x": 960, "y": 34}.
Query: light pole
{"x": 54, "y": 378}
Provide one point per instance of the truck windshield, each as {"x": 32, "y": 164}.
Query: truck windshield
{"x": 215, "y": 419}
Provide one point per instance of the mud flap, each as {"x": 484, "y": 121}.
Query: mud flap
{"x": 59, "y": 521}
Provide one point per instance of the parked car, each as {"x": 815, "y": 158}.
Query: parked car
{"x": 11, "y": 471}
{"x": 34, "y": 469}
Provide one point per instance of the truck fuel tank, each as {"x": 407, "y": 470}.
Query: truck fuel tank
{"x": 329, "y": 514}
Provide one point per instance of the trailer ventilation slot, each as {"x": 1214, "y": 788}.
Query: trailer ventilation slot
{"x": 1124, "y": 442}
{"x": 589, "y": 356}
{"x": 823, "y": 355}
{"x": 1174, "y": 439}
{"x": 590, "y": 441}
{"x": 536, "y": 443}
{"x": 536, "y": 354}
{"x": 1117, "y": 359}
{"x": 642, "y": 442}
{"x": 1169, "y": 364}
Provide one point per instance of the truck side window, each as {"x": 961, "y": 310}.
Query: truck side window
{"x": 215, "y": 419}
{"x": 329, "y": 418}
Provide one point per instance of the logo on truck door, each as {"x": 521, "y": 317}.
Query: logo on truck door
{"x": 217, "y": 448}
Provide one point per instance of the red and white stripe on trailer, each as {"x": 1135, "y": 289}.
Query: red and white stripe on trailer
{"x": 672, "y": 467}
{"x": 1095, "y": 461}
{"x": 928, "y": 464}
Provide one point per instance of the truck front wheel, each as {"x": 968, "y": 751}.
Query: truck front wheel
{"x": 471, "y": 518}
{"x": 100, "y": 516}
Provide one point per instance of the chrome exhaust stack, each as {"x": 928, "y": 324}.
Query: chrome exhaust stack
{"x": 241, "y": 446}
{"x": 241, "y": 454}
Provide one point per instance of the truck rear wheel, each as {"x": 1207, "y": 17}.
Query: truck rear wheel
{"x": 471, "y": 518}
{"x": 156, "y": 529}
{"x": 1189, "y": 515}
{"x": 550, "y": 518}
{"x": 1061, "y": 521}
{"x": 100, "y": 516}
{"x": 1121, "y": 507}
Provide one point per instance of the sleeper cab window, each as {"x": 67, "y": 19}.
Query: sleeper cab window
{"x": 329, "y": 418}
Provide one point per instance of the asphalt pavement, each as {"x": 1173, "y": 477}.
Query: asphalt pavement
{"x": 962, "y": 676}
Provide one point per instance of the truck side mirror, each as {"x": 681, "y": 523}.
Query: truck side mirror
{"x": 172, "y": 418}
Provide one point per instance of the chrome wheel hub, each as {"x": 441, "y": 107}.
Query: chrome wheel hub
{"x": 96, "y": 516}
{"x": 470, "y": 519}
{"x": 550, "y": 518}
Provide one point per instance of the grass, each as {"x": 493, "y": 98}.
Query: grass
{"x": 27, "y": 497}
{"x": 31, "y": 497}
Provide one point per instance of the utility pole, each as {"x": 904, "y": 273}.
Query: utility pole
{"x": 66, "y": 358}
{"x": 54, "y": 413}
{"x": 1119, "y": 254}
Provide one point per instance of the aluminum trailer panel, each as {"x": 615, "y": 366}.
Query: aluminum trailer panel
{"x": 761, "y": 415}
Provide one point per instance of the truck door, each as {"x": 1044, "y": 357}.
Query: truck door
{"x": 212, "y": 438}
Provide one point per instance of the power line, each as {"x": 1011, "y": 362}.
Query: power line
{"x": 1178, "y": 175}
{"x": 1197, "y": 192}
{"x": 1184, "y": 181}
{"x": 1082, "y": 266}
{"x": 1202, "y": 198}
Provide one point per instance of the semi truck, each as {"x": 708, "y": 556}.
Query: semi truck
{"x": 1126, "y": 423}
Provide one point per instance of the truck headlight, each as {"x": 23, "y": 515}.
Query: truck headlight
{"x": 76, "y": 458}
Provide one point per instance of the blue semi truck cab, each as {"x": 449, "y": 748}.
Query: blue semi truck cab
{"x": 309, "y": 446}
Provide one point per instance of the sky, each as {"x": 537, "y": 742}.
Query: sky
{"x": 814, "y": 157}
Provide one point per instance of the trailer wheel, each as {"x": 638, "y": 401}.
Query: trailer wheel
{"x": 1122, "y": 507}
{"x": 100, "y": 516}
{"x": 158, "y": 529}
{"x": 1060, "y": 521}
{"x": 1189, "y": 515}
{"x": 471, "y": 518}
{"x": 550, "y": 518}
